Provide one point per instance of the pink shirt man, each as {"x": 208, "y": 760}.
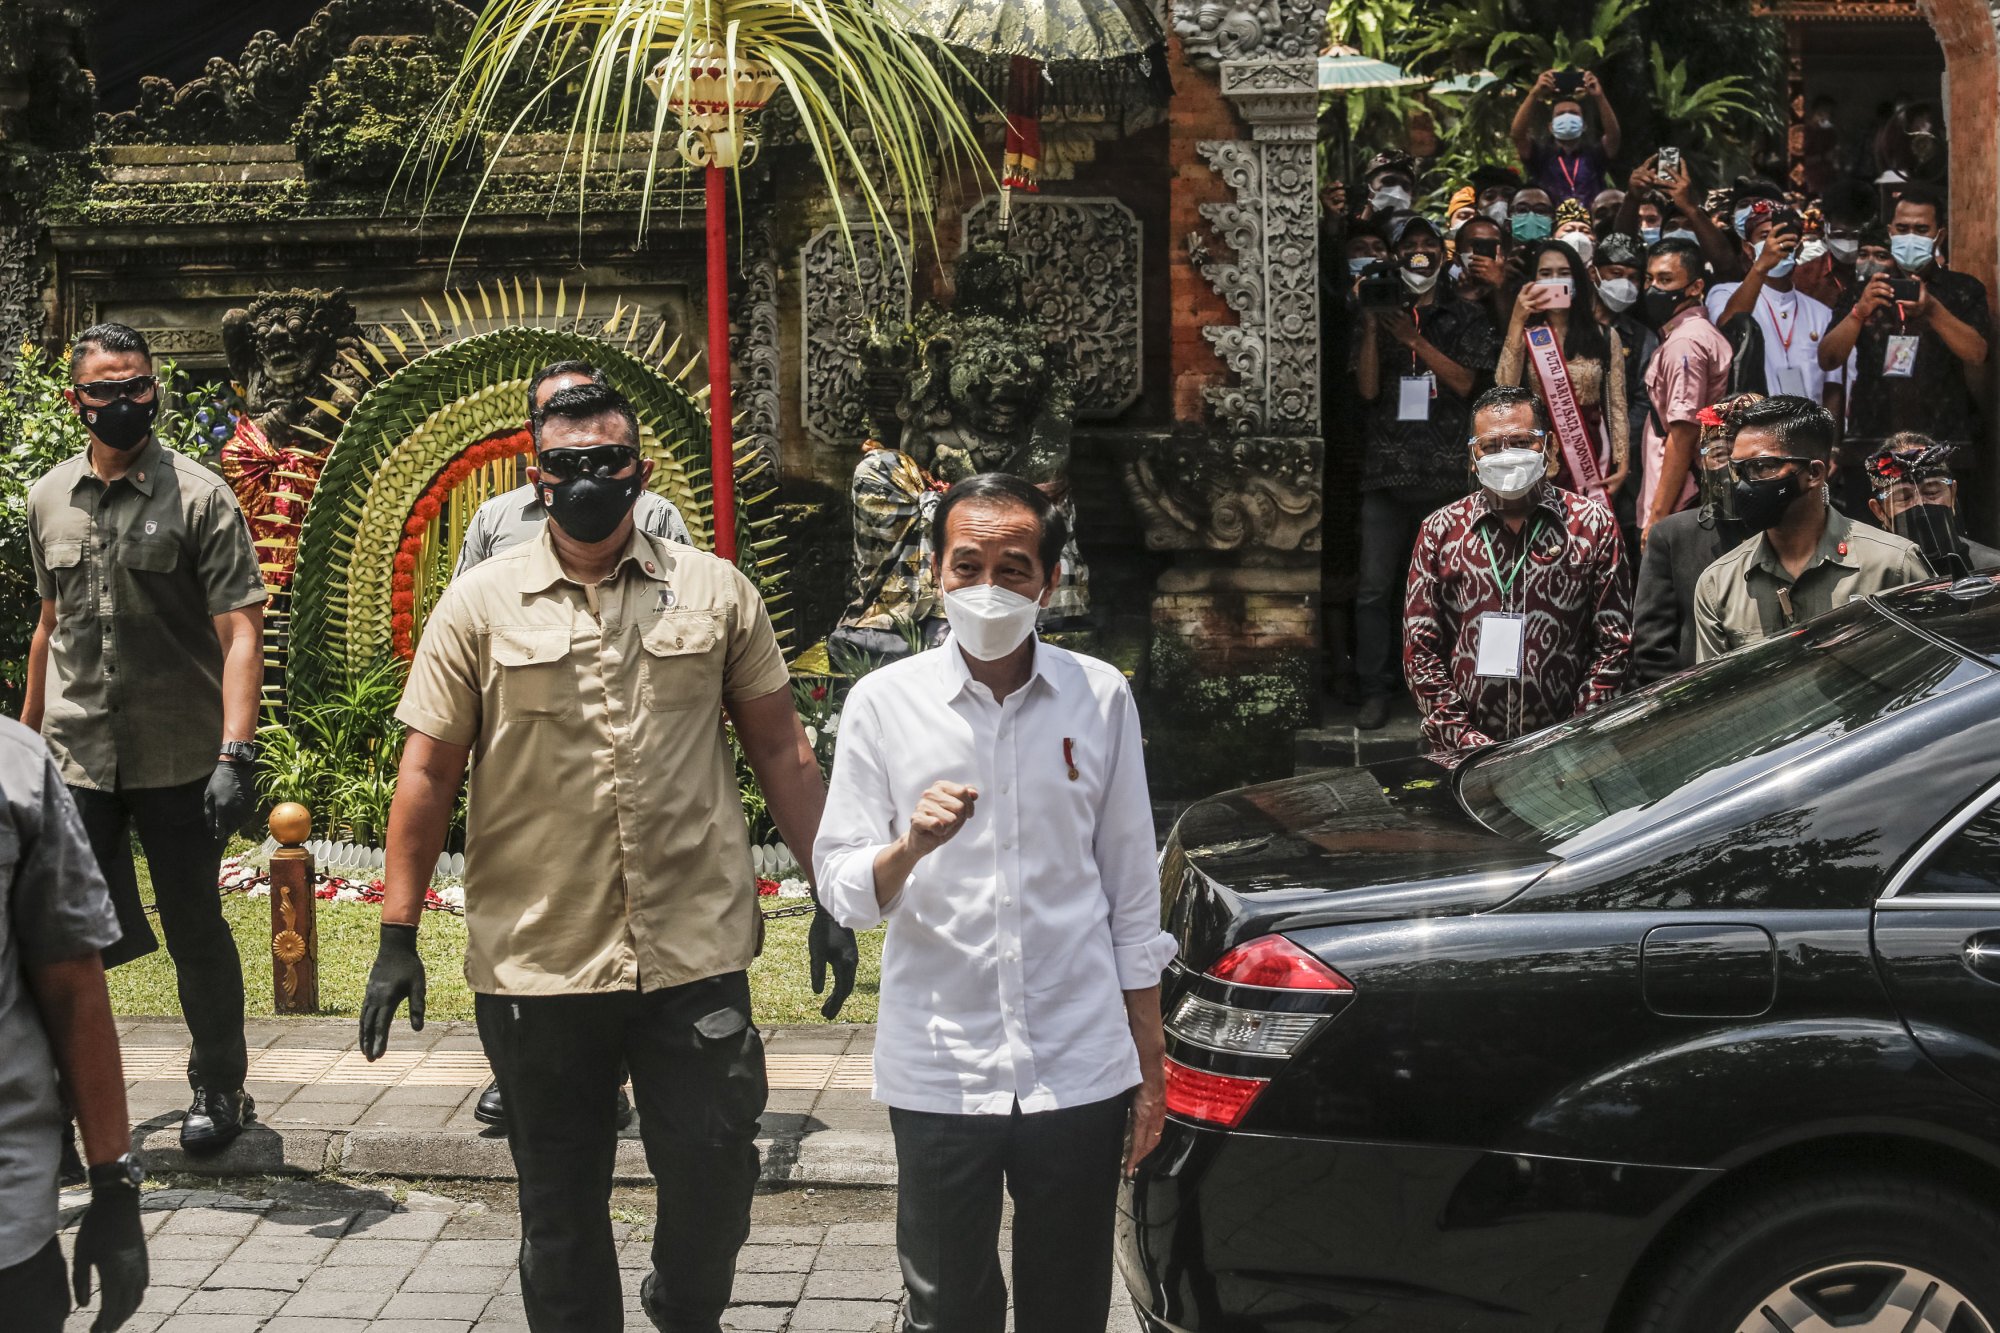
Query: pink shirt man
{"x": 1689, "y": 372}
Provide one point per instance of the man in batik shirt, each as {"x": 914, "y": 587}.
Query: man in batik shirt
{"x": 895, "y": 595}
{"x": 1518, "y": 612}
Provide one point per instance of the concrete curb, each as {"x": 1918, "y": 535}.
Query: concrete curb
{"x": 830, "y": 1158}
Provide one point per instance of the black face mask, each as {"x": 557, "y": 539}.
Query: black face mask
{"x": 1934, "y": 528}
{"x": 591, "y": 508}
{"x": 1762, "y": 504}
{"x": 1656, "y": 307}
{"x": 121, "y": 424}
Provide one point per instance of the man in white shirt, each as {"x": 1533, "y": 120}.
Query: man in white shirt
{"x": 989, "y": 802}
{"x": 1790, "y": 323}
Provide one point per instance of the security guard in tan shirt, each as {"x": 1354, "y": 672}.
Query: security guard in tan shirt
{"x": 1806, "y": 557}
{"x": 610, "y": 904}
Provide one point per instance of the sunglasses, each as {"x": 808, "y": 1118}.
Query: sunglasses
{"x": 1765, "y": 468}
{"x": 103, "y": 392}
{"x": 603, "y": 460}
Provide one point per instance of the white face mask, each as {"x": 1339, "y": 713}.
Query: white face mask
{"x": 1810, "y": 249}
{"x": 989, "y": 621}
{"x": 1512, "y": 473}
{"x": 1582, "y": 242}
{"x": 1389, "y": 199}
{"x": 1843, "y": 248}
{"x": 1497, "y": 210}
{"x": 1621, "y": 294}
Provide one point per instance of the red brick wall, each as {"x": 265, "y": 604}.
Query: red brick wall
{"x": 1972, "y": 118}
{"x": 1199, "y": 111}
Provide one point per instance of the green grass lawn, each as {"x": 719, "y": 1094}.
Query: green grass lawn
{"x": 780, "y": 984}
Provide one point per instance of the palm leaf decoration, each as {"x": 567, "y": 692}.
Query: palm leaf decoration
{"x": 877, "y": 102}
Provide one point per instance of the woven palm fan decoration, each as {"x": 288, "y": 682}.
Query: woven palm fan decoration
{"x": 428, "y": 440}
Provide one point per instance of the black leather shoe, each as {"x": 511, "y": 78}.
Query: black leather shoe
{"x": 214, "y": 1120}
{"x": 490, "y": 1110}
{"x": 654, "y": 1315}
{"x": 1374, "y": 714}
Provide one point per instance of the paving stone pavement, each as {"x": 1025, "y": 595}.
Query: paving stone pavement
{"x": 330, "y": 1256}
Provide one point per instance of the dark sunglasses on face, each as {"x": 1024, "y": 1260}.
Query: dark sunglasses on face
{"x": 1764, "y": 468}
{"x": 604, "y": 460}
{"x": 103, "y": 392}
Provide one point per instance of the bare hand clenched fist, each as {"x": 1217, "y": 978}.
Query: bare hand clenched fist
{"x": 941, "y": 812}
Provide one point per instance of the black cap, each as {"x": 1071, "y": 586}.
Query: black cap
{"x": 1391, "y": 160}
{"x": 1402, "y": 223}
{"x": 1621, "y": 247}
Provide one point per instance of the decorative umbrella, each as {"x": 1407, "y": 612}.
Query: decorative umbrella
{"x": 1464, "y": 83}
{"x": 1032, "y": 34}
{"x": 1342, "y": 69}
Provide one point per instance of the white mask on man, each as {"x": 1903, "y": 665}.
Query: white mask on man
{"x": 1621, "y": 294}
{"x": 989, "y": 621}
{"x": 1512, "y": 473}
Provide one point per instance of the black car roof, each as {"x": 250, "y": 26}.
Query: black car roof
{"x": 1964, "y": 613}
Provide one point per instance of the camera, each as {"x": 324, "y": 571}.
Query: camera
{"x": 1486, "y": 247}
{"x": 1379, "y": 287}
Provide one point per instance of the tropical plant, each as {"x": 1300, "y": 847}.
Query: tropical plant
{"x": 1704, "y": 113}
{"x": 876, "y": 102}
{"x": 335, "y": 751}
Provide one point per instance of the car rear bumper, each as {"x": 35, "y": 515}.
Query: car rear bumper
{"x": 1250, "y": 1233}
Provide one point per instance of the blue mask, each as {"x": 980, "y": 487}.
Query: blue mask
{"x": 1358, "y": 265}
{"x": 1682, "y": 234}
{"x": 1783, "y": 268}
{"x": 1649, "y": 235}
{"x": 1568, "y": 127}
{"x": 1912, "y": 252}
{"x": 1741, "y": 219}
{"x": 1531, "y": 226}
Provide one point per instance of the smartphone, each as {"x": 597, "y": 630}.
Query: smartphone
{"x": 1669, "y": 162}
{"x": 1486, "y": 247}
{"x": 1556, "y": 293}
{"x": 1787, "y": 219}
{"x": 1907, "y": 290}
{"x": 1569, "y": 82}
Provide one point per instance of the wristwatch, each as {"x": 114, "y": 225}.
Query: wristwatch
{"x": 239, "y": 752}
{"x": 124, "y": 1173}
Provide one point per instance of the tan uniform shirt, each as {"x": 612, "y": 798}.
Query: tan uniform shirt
{"x": 138, "y": 570}
{"x": 605, "y": 844}
{"x": 1746, "y": 595}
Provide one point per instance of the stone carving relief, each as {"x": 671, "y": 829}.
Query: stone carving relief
{"x": 1194, "y": 493}
{"x": 1268, "y": 276}
{"x": 839, "y": 299}
{"x": 1082, "y": 258}
{"x": 1212, "y": 31}
{"x": 754, "y": 354}
{"x": 281, "y": 350}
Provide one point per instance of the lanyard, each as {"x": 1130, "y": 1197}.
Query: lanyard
{"x": 1784, "y": 339}
{"x": 1506, "y": 581}
{"x": 1562, "y": 165}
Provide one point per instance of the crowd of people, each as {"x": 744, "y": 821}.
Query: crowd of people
{"x": 1607, "y": 429}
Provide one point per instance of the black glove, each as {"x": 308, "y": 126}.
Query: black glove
{"x": 830, "y": 943}
{"x": 398, "y": 975}
{"x": 231, "y": 795}
{"x": 111, "y": 1241}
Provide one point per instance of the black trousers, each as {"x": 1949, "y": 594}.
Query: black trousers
{"x": 185, "y": 861}
{"x": 1061, "y": 1169}
{"x": 697, "y": 1069}
{"x": 35, "y": 1292}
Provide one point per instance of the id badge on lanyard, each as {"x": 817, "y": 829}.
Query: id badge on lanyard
{"x": 1413, "y": 403}
{"x": 1899, "y": 357}
{"x": 1502, "y": 645}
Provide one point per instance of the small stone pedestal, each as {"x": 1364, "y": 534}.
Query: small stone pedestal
{"x": 294, "y": 920}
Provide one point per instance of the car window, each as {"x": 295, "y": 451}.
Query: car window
{"x": 1709, "y": 730}
{"x": 1969, "y": 861}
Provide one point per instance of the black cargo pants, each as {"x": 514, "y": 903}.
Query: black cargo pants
{"x": 697, "y": 1069}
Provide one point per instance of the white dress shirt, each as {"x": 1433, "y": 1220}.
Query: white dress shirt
{"x": 1011, "y": 945}
{"x": 1792, "y": 325}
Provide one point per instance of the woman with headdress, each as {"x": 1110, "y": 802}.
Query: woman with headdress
{"x": 1560, "y": 347}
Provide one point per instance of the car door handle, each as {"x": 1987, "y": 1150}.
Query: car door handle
{"x": 1982, "y": 955}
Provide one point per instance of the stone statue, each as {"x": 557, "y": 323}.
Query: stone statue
{"x": 282, "y": 351}
{"x": 989, "y": 393}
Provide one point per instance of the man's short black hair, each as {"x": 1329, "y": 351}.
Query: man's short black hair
{"x": 1848, "y": 202}
{"x": 1923, "y": 196}
{"x": 107, "y": 338}
{"x": 1802, "y": 427}
{"x": 1510, "y": 395}
{"x": 555, "y": 368}
{"x": 1006, "y": 490}
{"x": 581, "y": 402}
{"x": 1685, "y": 252}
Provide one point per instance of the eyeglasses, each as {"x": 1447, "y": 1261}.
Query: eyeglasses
{"x": 603, "y": 460}
{"x": 1934, "y": 491}
{"x": 102, "y": 393}
{"x": 1513, "y": 439}
{"x": 1764, "y": 468}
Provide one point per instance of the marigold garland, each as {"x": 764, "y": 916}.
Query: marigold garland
{"x": 403, "y": 586}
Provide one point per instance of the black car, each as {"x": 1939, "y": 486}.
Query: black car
{"x": 1681, "y": 1017}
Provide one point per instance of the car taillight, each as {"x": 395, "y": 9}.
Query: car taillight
{"x": 1222, "y": 1099}
{"x": 1223, "y": 1027}
{"x": 1275, "y": 963}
